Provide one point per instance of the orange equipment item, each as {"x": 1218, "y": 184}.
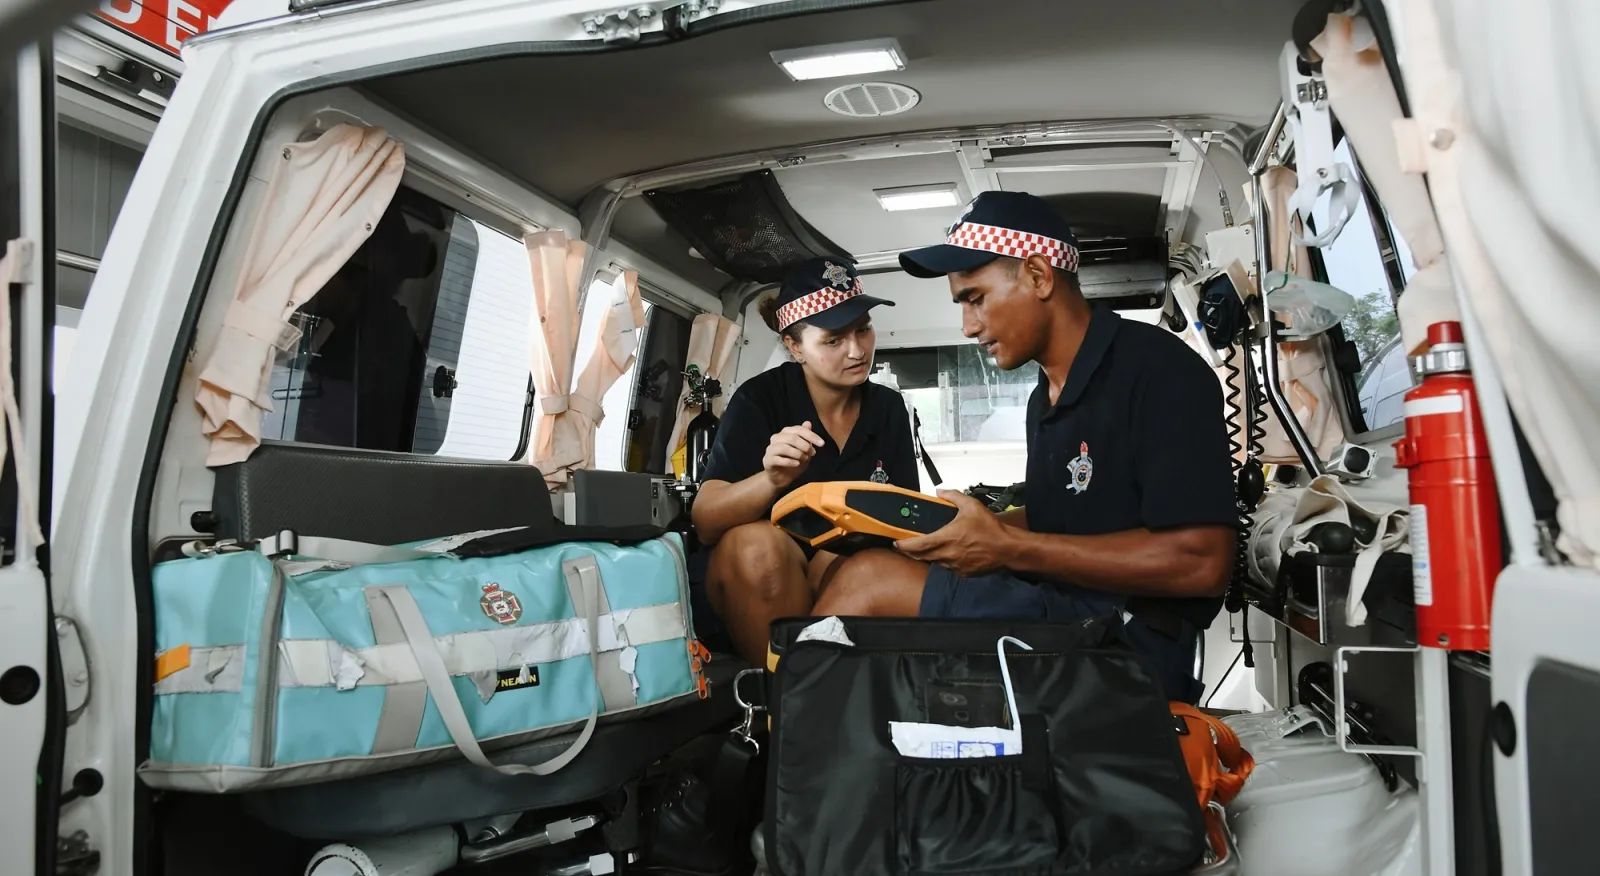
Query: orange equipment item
{"x": 1455, "y": 512}
{"x": 1218, "y": 765}
{"x": 844, "y": 517}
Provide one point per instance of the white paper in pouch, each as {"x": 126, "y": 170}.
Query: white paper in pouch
{"x": 942, "y": 741}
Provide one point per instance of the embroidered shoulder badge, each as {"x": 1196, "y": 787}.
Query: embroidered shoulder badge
{"x": 501, "y": 606}
{"x": 879, "y": 476}
{"x": 1080, "y": 469}
{"x": 836, "y": 275}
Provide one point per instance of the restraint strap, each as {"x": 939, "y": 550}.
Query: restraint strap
{"x": 340, "y": 551}
{"x": 586, "y": 574}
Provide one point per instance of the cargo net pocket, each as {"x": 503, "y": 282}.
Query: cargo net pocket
{"x": 744, "y": 227}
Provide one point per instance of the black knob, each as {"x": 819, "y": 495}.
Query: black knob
{"x": 1504, "y": 728}
{"x": 1332, "y": 538}
{"x": 1252, "y": 484}
{"x": 203, "y": 521}
{"x": 19, "y": 685}
{"x": 444, "y": 382}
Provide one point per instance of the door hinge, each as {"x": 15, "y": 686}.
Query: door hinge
{"x": 74, "y": 857}
{"x": 621, "y": 26}
{"x": 74, "y": 666}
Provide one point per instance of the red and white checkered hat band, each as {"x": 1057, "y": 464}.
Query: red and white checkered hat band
{"x": 1016, "y": 244}
{"x": 810, "y": 305}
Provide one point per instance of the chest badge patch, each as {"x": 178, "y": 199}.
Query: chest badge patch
{"x": 501, "y": 606}
{"x": 879, "y": 476}
{"x": 1080, "y": 469}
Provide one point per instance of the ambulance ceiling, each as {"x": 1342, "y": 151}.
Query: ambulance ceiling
{"x": 570, "y": 123}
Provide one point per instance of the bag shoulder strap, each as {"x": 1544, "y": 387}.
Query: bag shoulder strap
{"x": 922, "y": 450}
{"x": 582, "y": 572}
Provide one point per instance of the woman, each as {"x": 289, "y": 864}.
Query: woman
{"x": 816, "y": 418}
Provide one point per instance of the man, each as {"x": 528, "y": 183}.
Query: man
{"x": 1130, "y": 489}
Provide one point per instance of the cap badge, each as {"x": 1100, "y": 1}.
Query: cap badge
{"x": 836, "y": 275}
{"x": 501, "y": 606}
{"x": 1080, "y": 469}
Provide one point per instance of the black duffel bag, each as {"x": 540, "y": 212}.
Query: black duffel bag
{"x": 1099, "y": 788}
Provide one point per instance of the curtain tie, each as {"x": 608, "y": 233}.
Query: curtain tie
{"x": 262, "y": 325}
{"x": 553, "y": 404}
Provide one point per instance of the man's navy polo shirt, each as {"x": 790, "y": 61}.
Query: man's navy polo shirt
{"x": 778, "y": 398}
{"x": 1136, "y": 440}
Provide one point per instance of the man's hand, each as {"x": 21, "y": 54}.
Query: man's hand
{"x": 972, "y": 544}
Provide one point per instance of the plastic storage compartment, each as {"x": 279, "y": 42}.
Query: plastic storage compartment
{"x": 1313, "y": 810}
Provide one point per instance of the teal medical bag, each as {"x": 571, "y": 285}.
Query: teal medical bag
{"x": 301, "y": 660}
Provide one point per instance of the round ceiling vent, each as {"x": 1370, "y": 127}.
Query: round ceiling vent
{"x": 866, "y": 100}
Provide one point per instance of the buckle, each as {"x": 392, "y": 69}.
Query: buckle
{"x": 285, "y": 543}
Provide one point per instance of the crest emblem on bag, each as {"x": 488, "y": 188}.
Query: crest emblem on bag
{"x": 501, "y": 606}
{"x": 836, "y": 275}
{"x": 879, "y": 476}
{"x": 1080, "y": 469}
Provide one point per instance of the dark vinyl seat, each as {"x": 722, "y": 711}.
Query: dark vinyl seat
{"x": 389, "y": 498}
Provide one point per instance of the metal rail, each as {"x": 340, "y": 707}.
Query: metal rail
{"x": 1269, "y": 333}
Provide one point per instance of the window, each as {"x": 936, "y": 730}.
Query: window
{"x": 960, "y": 395}
{"x": 610, "y": 437}
{"x": 1354, "y": 263}
{"x": 419, "y": 344}
{"x": 657, "y": 382}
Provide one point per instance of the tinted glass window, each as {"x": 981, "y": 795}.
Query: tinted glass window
{"x": 960, "y": 394}
{"x": 419, "y": 344}
{"x": 657, "y": 381}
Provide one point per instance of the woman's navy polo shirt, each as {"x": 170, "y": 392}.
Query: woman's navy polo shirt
{"x": 1136, "y": 440}
{"x": 778, "y": 398}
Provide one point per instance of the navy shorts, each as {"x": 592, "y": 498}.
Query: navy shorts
{"x": 1001, "y": 596}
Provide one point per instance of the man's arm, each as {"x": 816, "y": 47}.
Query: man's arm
{"x": 1015, "y": 517}
{"x": 1189, "y": 561}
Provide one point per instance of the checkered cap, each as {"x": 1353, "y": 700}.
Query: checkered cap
{"x": 824, "y": 292}
{"x": 1012, "y": 224}
{"x": 1013, "y": 243}
{"x": 810, "y": 305}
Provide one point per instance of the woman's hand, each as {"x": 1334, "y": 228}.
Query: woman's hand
{"x": 789, "y": 453}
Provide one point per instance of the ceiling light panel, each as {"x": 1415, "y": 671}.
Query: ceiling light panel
{"x": 841, "y": 59}
{"x": 918, "y": 197}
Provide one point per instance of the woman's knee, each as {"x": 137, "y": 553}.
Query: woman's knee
{"x": 756, "y": 558}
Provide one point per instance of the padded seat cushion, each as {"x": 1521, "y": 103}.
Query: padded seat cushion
{"x": 367, "y": 495}
{"x": 450, "y": 793}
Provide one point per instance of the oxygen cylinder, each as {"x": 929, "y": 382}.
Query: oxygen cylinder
{"x": 1455, "y": 514}
{"x": 699, "y": 435}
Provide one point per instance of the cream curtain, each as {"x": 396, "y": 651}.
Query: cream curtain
{"x": 1302, "y": 367}
{"x": 613, "y": 355}
{"x": 323, "y": 201}
{"x": 557, "y": 265}
{"x": 1363, "y": 97}
{"x": 1506, "y": 125}
{"x": 712, "y": 342}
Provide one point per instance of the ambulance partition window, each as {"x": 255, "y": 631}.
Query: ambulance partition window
{"x": 960, "y": 394}
{"x": 419, "y": 344}
{"x": 1370, "y": 261}
{"x": 656, "y": 383}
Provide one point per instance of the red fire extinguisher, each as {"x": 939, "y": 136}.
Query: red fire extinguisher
{"x": 1455, "y": 515}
